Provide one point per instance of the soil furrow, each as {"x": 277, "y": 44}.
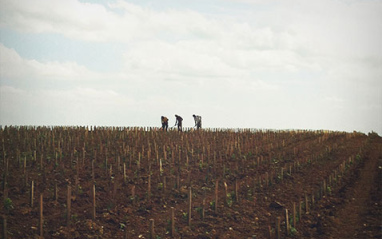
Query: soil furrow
{"x": 349, "y": 220}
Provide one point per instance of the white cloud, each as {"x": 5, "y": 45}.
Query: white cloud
{"x": 272, "y": 63}
{"x": 67, "y": 107}
{"x": 71, "y": 18}
{"x": 183, "y": 60}
{"x": 204, "y": 41}
{"x": 94, "y": 22}
{"x": 16, "y": 68}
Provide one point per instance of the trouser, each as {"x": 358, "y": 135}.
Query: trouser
{"x": 164, "y": 126}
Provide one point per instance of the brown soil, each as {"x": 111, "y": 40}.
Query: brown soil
{"x": 358, "y": 212}
{"x": 342, "y": 172}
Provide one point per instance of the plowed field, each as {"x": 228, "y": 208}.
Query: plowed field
{"x": 210, "y": 183}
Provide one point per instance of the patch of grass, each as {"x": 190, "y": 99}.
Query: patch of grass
{"x": 293, "y": 231}
{"x": 212, "y": 204}
{"x": 160, "y": 186}
{"x": 358, "y": 157}
{"x": 199, "y": 210}
{"x": 230, "y": 197}
{"x": 185, "y": 216}
{"x": 8, "y": 204}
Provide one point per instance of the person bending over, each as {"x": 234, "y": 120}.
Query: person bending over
{"x": 178, "y": 122}
{"x": 198, "y": 121}
{"x": 164, "y": 121}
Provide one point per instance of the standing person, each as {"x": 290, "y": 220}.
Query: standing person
{"x": 178, "y": 122}
{"x": 198, "y": 121}
{"x": 164, "y": 120}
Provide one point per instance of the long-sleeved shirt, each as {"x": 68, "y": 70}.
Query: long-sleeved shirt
{"x": 178, "y": 120}
{"x": 164, "y": 120}
{"x": 198, "y": 119}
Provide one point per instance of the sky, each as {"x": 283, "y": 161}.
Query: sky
{"x": 264, "y": 64}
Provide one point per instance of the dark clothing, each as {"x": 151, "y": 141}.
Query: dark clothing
{"x": 179, "y": 122}
{"x": 198, "y": 121}
{"x": 164, "y": 123}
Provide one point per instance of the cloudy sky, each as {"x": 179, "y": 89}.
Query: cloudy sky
{"x": 274, "y": 64}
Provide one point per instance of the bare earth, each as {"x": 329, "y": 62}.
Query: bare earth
{"x": 339, "y": 173}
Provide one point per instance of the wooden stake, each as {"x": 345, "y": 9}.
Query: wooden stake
{"x": 93, "y": 176}
{"x": 152, "y": 233}
{"x": 160, "y": 167}
{"x": 5, "y": 233}
{"x": 115, "y": 188}
{"x": 278, "y": 231}
{"x": 32, "y": 192}
{"x": 216, "y": 195}
{"x": 236, "y": 191}
{"x": 119, "y": 163}
{"x": 76, "y": 183}
{"x": 330, "y": 181}
{"x": 172, "y": 222}
{"x": 189, "y": 177}
{"x": 25, "y": 164}
{"x": 133, "y": 193}
{"x": 68, "y": 204}
{"x": 287, "y": 222}
{"x": 164, "y": 184}
{"x": 124, "y": 173}
{"x": 282, "y": 174}
{"x": 270, "y": 232}
{"x": 149, "y": 188}
{"x": 299, "y": 211}
{"x": 126, "y": 233}
{"x": 93, "y": 203}
{"x": 226, "y": 193}
{"x": 189, "y": 207}
{"x": 41, "y": 216}
{"x": 294, "y": 215}
{"x": 106, "y": 165}
{"x": 203, "y": 208}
